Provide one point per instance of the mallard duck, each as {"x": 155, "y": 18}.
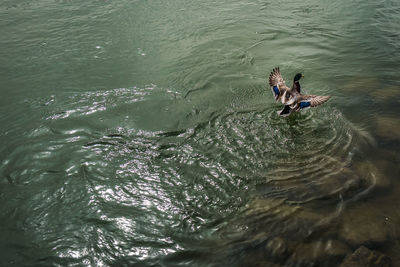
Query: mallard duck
{"x": 292, "y": 97}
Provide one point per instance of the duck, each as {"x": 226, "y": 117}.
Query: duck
{"x": 292, "y": 98}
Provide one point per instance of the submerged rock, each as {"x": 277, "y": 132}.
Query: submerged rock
{"x": 388, "y": 127}
{"x": 363, "y": 257}
{"x": 369, "y": 173}
{"x": 364, "y": 225}
{"x": 364, "y": 84}
{"x": 320, "y": 251}
{"x": 276, "y": 247}
{"x": 386, "y": 93}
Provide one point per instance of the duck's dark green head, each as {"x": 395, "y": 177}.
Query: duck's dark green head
{"x": 297, "y": 77}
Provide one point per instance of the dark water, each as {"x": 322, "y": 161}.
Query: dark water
{"x": 143, "y": 133}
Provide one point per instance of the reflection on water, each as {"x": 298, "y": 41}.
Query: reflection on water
{"x": 235, "y": 182}
{"x": 186, "y": 161}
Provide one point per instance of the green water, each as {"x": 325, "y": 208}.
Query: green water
{"x": 143, "y": 133}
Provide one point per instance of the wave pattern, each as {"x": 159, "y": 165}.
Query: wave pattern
{"x": 188, "y": 162}
{"x": 162, "y": 190}
{"x": 150, "y": 196}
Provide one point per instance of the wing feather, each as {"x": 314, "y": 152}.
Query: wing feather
{"x": 307, "y": 101}
{"x": 277, "y": 83}
{"x": 319, "y": 100}
{"x": 275, "y": 78}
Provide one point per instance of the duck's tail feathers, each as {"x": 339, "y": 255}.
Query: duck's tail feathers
{"x": 285, "y": 111}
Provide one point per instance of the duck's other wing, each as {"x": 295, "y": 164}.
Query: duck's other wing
{"x": 311, "y": 101}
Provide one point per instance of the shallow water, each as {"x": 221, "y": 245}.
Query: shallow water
{"x": 143, "y": 133}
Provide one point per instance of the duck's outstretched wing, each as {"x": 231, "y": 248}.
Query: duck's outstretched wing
{"x": 308, "y": 101}
{"x": 277, "y": 83}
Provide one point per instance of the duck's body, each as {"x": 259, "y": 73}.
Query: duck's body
{"x": 292, "y": 97}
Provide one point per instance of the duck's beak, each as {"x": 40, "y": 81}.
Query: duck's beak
{"x": 302, "y": 75}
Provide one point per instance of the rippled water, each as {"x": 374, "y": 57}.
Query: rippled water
{"x": 143, "y": 133}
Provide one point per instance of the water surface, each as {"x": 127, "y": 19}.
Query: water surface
{"x": 143, "y": 133}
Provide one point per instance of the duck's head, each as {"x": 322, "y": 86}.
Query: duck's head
{"x": 297, "y": 77}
